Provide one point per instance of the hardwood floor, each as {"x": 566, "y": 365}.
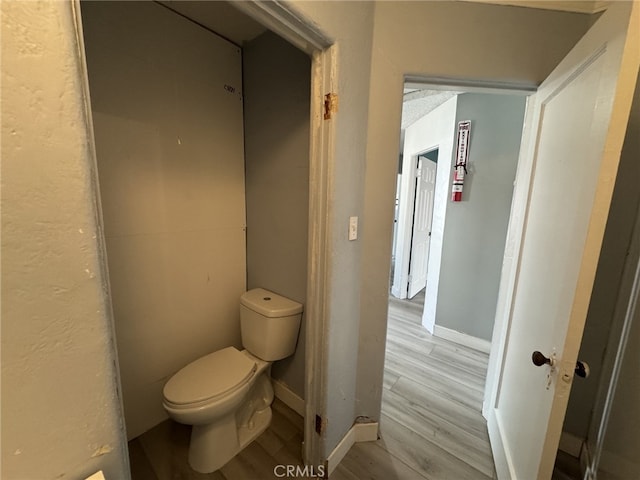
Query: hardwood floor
{"x": 431, "y": 426}
{"x": 161, "y": 453}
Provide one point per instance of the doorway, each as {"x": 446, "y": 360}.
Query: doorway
{"x": 162, "y": 162}
{"x": 439, "y": 362}
{"x": 421, "y": 218}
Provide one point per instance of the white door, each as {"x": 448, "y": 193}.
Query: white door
{"x": 579, "y": 120}
{"x": 422, "y": 216}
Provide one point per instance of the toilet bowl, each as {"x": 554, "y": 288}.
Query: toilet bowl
{"x": 227, "y": 395}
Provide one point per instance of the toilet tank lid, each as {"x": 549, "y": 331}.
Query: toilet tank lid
{"x": 269, "y": 304}
{"x": 209, "y": 376}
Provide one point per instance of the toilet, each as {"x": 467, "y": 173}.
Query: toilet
{"x": 227, "y": 395}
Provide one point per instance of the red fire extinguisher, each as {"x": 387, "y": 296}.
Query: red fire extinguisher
{"x": 460, "y": 166}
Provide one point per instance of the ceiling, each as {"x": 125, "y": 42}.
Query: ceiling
{"x": 578, "y": 6}
{"x": 417, "y": 103}
{"x": 220, "y": 17}
{"x": 223, "y": 18}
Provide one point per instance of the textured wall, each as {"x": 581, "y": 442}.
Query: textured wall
{"x": 61, "y": 413}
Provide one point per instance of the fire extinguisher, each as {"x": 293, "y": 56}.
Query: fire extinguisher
{"x": 462, "y": 154}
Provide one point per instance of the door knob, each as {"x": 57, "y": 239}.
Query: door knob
{"x": 539, "y": 359}
{"x": 582, "y": 369}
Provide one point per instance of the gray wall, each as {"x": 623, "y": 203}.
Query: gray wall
{"x": 350, "y": 24}
{"x": 61, "y": 408}
{"x": 464, "y": 40}
{"x": 624, "y": 205}
{"x": 475, "y": 229}
{"x": 277, "y": 86}
{"x": 171, "y": 168}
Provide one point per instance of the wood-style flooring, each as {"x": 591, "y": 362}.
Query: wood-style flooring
{"x": 431, "y": 426}
{"x": 161, "y": 453}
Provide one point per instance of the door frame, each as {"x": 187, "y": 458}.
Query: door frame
{"x": 306, "y": 36}
{"x": 406, "y": 213}
{"x": 421, "y": 157}
{"x": 462, "y": 86}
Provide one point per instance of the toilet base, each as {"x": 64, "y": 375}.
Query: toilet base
{"x": 261, "y": 421}
{"x": 207, "y": 454}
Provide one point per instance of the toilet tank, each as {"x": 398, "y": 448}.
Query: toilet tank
{"x": 269, "y": 324}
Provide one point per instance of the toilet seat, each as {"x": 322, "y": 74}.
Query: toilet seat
{"x": 212, "y": 376}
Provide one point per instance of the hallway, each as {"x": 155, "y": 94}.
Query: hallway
{"x": 431, "y": 426}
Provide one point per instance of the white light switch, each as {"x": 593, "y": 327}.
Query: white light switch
{"x": 353, "y": 228}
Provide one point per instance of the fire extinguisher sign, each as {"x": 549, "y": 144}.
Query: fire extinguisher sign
{"x": 462, "y": 154}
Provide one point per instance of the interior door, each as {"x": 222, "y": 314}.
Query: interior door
{"x": 579, "y": 121}
{"x": 422, "y": 216}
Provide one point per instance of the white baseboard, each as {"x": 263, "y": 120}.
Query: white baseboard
{"x": 462, "y": 339}
{"x": 359, "y": 432}
{"x": 288, "y": 397}
{"x": 501, "y": 456}
{"x": 570, "y": 444}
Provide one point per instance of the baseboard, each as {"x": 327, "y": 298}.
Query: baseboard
{"x": 585, "y": 460}
{"x": 501, "y": 457}
{"x": 570, "y": 444}
{"x": 288, "y": 397}
{"x": 359, "y": 432}
{"x": 366, "y": 432}
{"x": 462, "y": 339}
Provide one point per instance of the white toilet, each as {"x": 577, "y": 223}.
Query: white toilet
{"x": 227, "y": 395}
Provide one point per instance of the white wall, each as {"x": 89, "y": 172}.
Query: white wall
{"x": 171, "y": 167}
{"x": 476, "y": 228}
{"x": 472, "y": 41}
{"x": 276, "y": 79}
{"x": 61, "y": 408}
{"x": 437, "y": 129}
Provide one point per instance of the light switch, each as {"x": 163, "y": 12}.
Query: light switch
{"x": 353, "y": 228}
